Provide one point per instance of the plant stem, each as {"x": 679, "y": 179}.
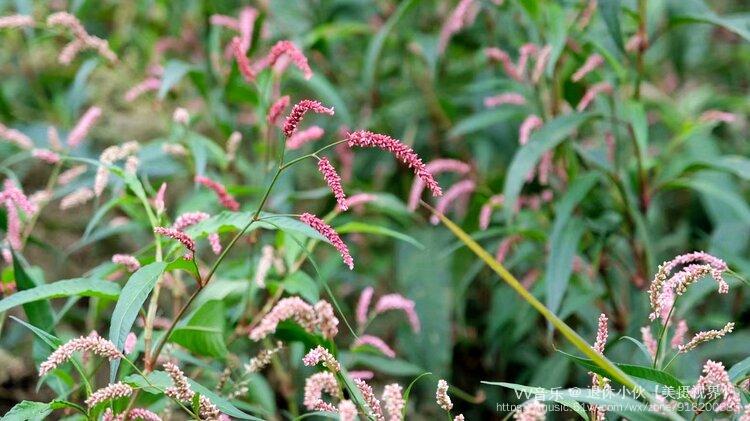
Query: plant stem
{"x": 662, "y": 333}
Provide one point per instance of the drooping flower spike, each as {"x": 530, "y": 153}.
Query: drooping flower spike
{"x": 243, "y": 63}
{"x": 399, "y": 302}
{"x": 16, "y": 21}
{"x": 441, "y": 396}
{"x": 180, "y": 236}
{"x": 15, "y": 137}
{"x": 93, "y": 344}
{"x": 319, "y": 355}
{"x": 189, "y": 219}
{"x": 109, "y": 393}
{"x": 716, "y": 379}
{"x": 462, "y": 16}
{"x": 510, "y": 98}
{"x": 591, "y": 64}
{"x": 376, "y": 410}
{"x": 331, "y": 235}
{"x": 127, "y": 260}
{"x": 393, "y": 401}
{"x": 226, "y": 199}
{"x": 309, "y": 317}
{"x": 333, "y": 180}
{"x": 705, "y": 336}
{"x": 315, "y": 385}
{"x": 83, "y": 126}
{"x": 405, "y": 154}
{"x": 285, "y": 48}
{"x": 304, "y": 137}
{"x": 298, "y": 112}
{"x": 278, "y": 107}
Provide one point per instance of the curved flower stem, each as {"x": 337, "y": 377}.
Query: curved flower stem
{"x": 662, "y": 334}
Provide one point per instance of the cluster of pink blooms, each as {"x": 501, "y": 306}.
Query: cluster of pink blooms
{"x": 92, "y": 343}
{"x": 189, "y": 219}
{"x": 109, "y": 393}
{"x": 281, "y": 48}
{"x": 276, "y": 109}
{"x": 664, "y": 289}
{"x": 385, "y": 303}
{"x": 716, "y": 379}
{"x": 67, "y": 176}
{"x": 82, "y": 39}
{"x": 226, "y": 199}
{"x": 518, "y": 71}
{"x": 180, "y": 236}
{"x": 319, "y": 355}
{"x": 243, "y": 25}
{"x": 531, "y": 411}
{"x": 129, "y": 261}
{"x": 711, "y": 116}
{"x": 320, "y": 317}
{"x": 531, "y": 122}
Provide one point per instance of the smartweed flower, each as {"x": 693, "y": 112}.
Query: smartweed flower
{"x": 127, "y": 260}
{"x": 399, "y": 302}
{"x": 77, "y": 198}
{"x": 333, "y": 180}
{"x": 93, "y": 344}
{"x": 347, "y": 410}
{"x": 531, "y": 122}
{"x": 298, "y": 112}
{"x": 226, "y": 199}
{"x": 435, "y": 167}
{"x": 84, "y": 125}
{"x": 376, "y": 410}
{"x": 109, "y": 393}
{"x": 15, "y": 137}
{"x": 705, "y": 336}
{"x": 393, "y": 401}
{"x": 302, "y": 137}
{"x": 180, "y": 236}
{"x": 16, "y": 21}
{"x": 46, "y": 155}
{"x": 441, "y": 396}
{"x": 330, "y": 234}
{"x": 315, "y": 385}
{"x": 531, "y": 411}
{"x": 278, "y": 107}
{"x": 591, "y": 93}
{"x": 319, "y": 355}
{"x": 510, "y": 98}
{"x": 456, "y": 191}
{"x": 716, "y": 379}
{"x": 592, "y": 63}
{"x": 375, "y": 342}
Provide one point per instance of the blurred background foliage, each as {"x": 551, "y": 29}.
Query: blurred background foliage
{"x": 378, "y": 63}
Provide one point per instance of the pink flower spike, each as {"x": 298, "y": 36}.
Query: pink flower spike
{"x": 150, "y": 84}
{"x": 435, "y": 167}
{"x": 242, "y": 61}
{"x": 375, "y": 342}
{"x": 403, "y": 153}
{"x": 524, "y": 53}
{"x": 334, "y": 181}
{"x": 718, "y": 116}
{"x": 315, "y": 385}
{"x": 92, "y": 343}
{"x": 159, "y": 199}
{"x": 496, "y": 54}
{"x": 321, "y": 355}
{"x": 127, "y": 260}
{"x": 485, "y": 214}
{"x": 601, "y": 334}
{"x": 278, "y": 107}
{"x": 13, "y": 231}
{"x": 511, "y": 98}
{"x": 541, "y": 63}
{"x": 715, "y": 380}
{"x": 16, "y": 21}
{"x": 15, "y": 137}
{"x": 215, "y": 242}
{"x": 180, "y": 236}
{"x": 648, "y": 339}
{"x": 299, "y": 110}
{"x": 143, "y": 414}
{"x": 245, "y": 25}
{"x": 83, "y": 126}
{"x": 188, "y": 219}
{"x": 363, "y": 306}
{"x": 130, "y": 342}
{"x": 530, "y": 123}
{"x": 462, "y": 188}
{"x": 376, "y": 410}
{"x": 226, "y": 199}
{"x": 399, "y": 302}
{"x": 330, "y": 234}
{"x": 462, "y": 16}
{"x": 290, "y": 50}
{"x": 678, "y": 338}
{"x": 46, "y": 156}
{"x": 591, "y": 63}
{"x": 591, "y": 93}
{"x": 302, "y": 137}
{"x": 393, "y": 401}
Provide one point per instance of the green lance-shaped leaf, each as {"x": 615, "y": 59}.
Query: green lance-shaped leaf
{"x": 134, "y": 294}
